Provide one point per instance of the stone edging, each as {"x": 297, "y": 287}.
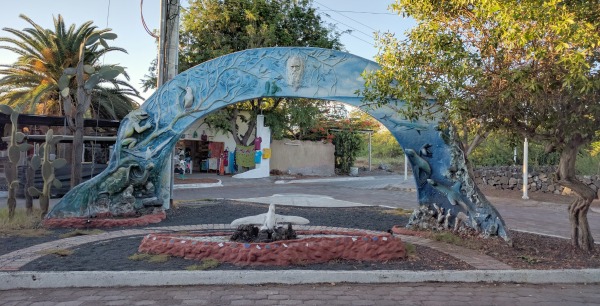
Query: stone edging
{"x": 37, "y": 280}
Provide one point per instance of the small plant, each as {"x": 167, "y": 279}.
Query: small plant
{"x": 209, "y": 263}
{"x": 411, "y": 250}
{"x": 58, "y": 252}
{"x": 139, "y": 256}
{"x": 159, "y": 258}
{"x": 529, "y": 259}
{"x": 149, "y": 257}
{"x": 15, "y": 147}
{"x": 80, "y": 232}
{"x": 447, "y": 237}
{"x": 399, "y": 212}
{"x": 48, "y": 167}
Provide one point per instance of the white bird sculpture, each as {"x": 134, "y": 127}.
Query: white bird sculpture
{"x": 188, "y": 99}
{"x": 269, "y": 220}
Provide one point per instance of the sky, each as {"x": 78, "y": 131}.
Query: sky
{"x": 123, "y": 17}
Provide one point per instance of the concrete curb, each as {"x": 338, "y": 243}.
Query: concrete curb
{"x": 38, "y": 280}
{"x": 199, "y": 185}
{"x": 325, "y": 180}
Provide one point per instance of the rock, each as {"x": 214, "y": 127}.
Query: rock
{"x": 385, "y": 167}
{"x": 512, "y": 181}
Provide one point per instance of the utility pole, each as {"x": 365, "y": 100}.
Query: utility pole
{"x": 168, "y": 55}
{"x": 168, "y": 42}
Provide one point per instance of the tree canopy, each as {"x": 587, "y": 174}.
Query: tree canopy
{"x": 528, "y": 68}
{"x": 31, "y": 83}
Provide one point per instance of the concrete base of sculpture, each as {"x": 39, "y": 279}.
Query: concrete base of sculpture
{"x": 311, "y": 247}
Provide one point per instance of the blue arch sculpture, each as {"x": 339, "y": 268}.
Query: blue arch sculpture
{"x": 134, "y": 183}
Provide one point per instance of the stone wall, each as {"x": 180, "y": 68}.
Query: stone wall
{"x": 539, "y": 180}
{"x": 303, "y": 157}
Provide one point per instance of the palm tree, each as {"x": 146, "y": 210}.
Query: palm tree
{"x": 31, "y": 83}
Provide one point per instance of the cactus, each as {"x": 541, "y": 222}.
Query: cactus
{"x": 15, "y": 147}
{"x": 48, "y": 167}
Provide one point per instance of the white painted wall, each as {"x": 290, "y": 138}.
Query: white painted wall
{"x": 262, "y": 169}
{"x": 216, "y": 136}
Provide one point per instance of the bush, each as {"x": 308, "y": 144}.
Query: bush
{"x": 347, "y": 145}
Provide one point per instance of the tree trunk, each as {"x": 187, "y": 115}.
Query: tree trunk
{"x": 234, "y": 128}
{"x": 580, "y": 229}
{"x": 479, "y": 138}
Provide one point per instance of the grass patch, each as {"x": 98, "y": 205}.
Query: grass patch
{"x": 139, "y": 256}
{"x": 22, "y": 225}
{"x": 411, "y": 250}
{"x": 58, "y": 252}
{"x": 80, "y": 232}
{"x": 149, "y": 257}
{"x": 399, "y": 212}
{"x": 447, "y": 237}
{"x": 529, "y": 259}
{"x": 209, "y": 263}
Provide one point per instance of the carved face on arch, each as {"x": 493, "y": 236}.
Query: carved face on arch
{"x": 295, "y": 71}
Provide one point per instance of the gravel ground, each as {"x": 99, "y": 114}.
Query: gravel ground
{"x": 113, "y": 254}
{"x": 528, "y": 252}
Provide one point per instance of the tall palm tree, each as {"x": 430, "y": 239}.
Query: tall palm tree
{"x": 31, "y": 83}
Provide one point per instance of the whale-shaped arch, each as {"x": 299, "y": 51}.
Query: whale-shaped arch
{"x": 134, "y": 181}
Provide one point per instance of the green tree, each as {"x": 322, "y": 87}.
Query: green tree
{"x": 60, "y": 71}
{"x": 212, "y": 28}
{"x": 527, "y": 68}
{"x": 31, "y": 83}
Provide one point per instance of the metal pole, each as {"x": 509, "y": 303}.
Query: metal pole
{"x": 370, "y": 151}
{"x": 525, "y": 168}
{"x": 405, "y": 167}
{"x": 168, "y": 60}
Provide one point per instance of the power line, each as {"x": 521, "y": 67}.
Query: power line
{"x": 317, "y": 2}
{"x": 357, "y": 12}
{"x": 371, "y": 44}
{"x": 144, "y": 21}
{"x": 349, "y": 26}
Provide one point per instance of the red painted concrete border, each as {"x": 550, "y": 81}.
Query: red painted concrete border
{"x": 104, "y": 222}
{"x": 360, "y": 246}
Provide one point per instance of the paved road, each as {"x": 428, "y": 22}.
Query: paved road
{"x": 394, "y": 191}
{"x": 447, "y": 294}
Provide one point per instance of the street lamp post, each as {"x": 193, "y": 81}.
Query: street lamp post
{"x": 525, "y": 168}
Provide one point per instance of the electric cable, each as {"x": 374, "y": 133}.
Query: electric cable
{"x": 317, "y": 2}
{"x": 144, "y": 21}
